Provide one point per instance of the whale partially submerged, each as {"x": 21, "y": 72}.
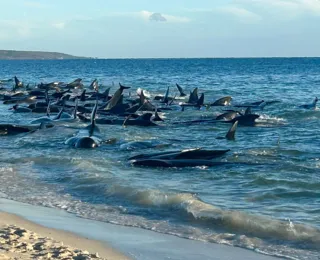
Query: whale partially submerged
{"x": 89, "y": 137}
{"x": 15, "y": 129}
{"x": 184, "y": 158}
{"x": 313, "y": 105}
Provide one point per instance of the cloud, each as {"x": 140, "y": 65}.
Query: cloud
{"x": 151, "y": 16}
{"x": 287, "y": 7}
{"x": 157, "y": 17}
{"x": 60, "y": 25}
{"x": 147, "y": 16}
{"x": 241, "y": 13}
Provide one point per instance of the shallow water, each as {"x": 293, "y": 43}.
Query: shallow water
{"x": 269, "y": 204}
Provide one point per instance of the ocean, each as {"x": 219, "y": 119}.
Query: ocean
{"x": 267, "y": 198}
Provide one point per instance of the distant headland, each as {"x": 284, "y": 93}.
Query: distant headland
{"x": 36, "y": 55}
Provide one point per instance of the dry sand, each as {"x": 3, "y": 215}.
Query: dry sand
{"x": 22, "y": 239}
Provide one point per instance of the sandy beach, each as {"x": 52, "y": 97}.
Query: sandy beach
{"x": 22, "y": 239}
{"x": 52, "y": 227}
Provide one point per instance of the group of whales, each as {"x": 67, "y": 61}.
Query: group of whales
{"x": 72, "y": 101}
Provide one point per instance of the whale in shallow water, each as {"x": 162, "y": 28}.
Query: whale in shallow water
{"x": 157, "y": 118}
{"x": 229, "y": 115}
{"x": 14, "y": 129}
{"x": 196, "y": 153}
{"x": 18, "y": 109}
{"x": 60, "y": 117}
{"x": 225, "y": 101}
{"x": 143, "y": 120}
{"x": 184, "y": 158}
{"x": 311, "y": 106}
{"x": 245, "y": 120}
{"x": 18, "y": 83}
{"x": 116, "y": 97}
{"x": 89, "y": 137}
{"x": 94, "y": 85}
{"x": 175, "y": 163}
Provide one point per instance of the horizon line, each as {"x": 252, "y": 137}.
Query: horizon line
{"x": 174, "y": 58}
{"x": 226, "y": 57}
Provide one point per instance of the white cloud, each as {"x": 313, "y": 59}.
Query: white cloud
{"x": 295, "y": 7}
{"x": 176, "y": 19}
{"x": 169, "y": 18}
{"x": 59, "y": 25}
{"x": 241, "y": 13}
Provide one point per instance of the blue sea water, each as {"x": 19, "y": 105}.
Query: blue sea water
{"x": 270, "y": 205}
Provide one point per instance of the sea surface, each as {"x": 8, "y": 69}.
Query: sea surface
{"x": 267, "y": 199}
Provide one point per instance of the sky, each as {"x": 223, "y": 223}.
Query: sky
{"x": 163, "y": 28}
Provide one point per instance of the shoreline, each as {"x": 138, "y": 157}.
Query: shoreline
{"x": 23, "y": 239}
{"x": 125, "y": 242}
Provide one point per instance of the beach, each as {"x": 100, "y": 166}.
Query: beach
{"x": 60, "y": 235}
{"x": 22, "y": 239}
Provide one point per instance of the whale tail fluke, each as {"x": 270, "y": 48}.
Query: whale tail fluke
{"x": 123, "y": 87}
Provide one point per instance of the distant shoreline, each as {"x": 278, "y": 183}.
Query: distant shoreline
{"x": 42, "y": 55}
{"x": 36, "y": 55}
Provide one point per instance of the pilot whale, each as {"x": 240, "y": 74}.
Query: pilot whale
{"x": 89, "y": 137}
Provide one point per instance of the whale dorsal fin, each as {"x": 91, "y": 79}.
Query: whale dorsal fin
{"x": 94, "y": 85}
{"x": 106, "y": 92}
{"x": 232, "y": 131}
{"x": 83, "y": 95}
{"x": 165, "y": 98}
{"x": 248, "y": 111}
{"x": 182, "y": 94}
{"x": 315, "y": 101}
{"x": 93, "y": 117}
{"x": 157, "y": 117}
{"x": 193, "y": 96}
{"x": 200, "y": 100}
